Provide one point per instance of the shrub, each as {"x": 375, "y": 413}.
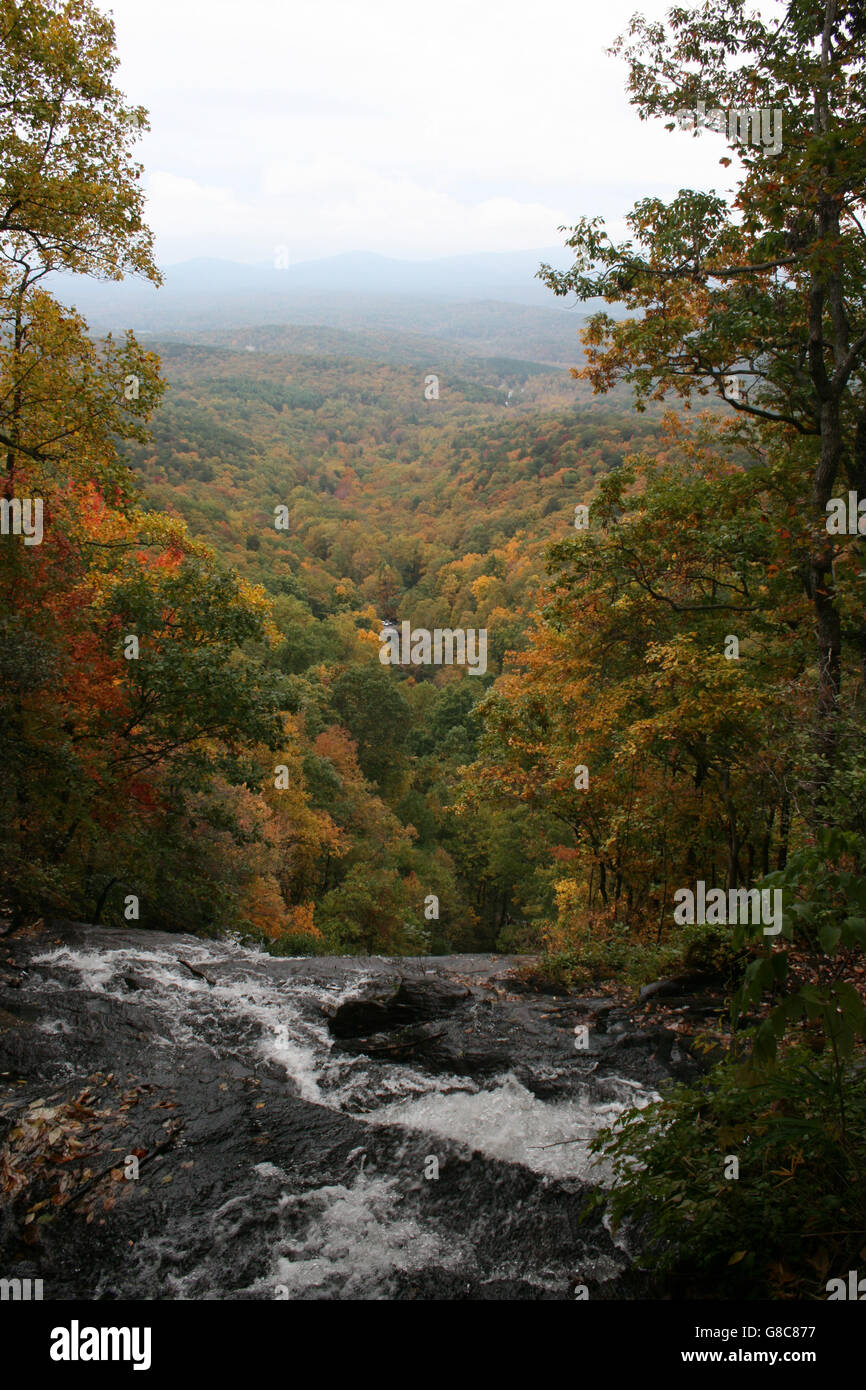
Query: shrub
{"x": 796, "y": 1214}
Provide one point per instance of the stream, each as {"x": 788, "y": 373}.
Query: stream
{"x": 309, "y": 1128}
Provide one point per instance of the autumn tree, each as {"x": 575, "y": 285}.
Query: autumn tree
{"x": 765, "y": 285}
{"x": 668, "y": 666}
{"x": 131, "y": 692}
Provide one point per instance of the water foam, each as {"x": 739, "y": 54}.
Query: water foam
{"x": 508, "y": 1122}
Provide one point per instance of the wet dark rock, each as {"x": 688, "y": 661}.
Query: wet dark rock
{"x": 681, "y": 986}
{"x": 437, "y": 1046}
{"x": 384, "y": 1007}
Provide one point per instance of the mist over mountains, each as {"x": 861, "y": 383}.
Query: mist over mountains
{"x": 483, "y": 305}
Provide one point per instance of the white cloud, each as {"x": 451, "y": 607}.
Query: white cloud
{"x": 322, "y": 209}
{"x": 330, "y": 125}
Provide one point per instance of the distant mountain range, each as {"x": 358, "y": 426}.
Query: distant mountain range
{"x": 488, "y": 304}
{"x": 507, "y": 276}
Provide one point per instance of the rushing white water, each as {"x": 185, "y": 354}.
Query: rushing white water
{"x": 509, "y": 1122}
{"x": 283, "y": 1021}
{"x": 356, "y": 1237}
{"x": 347, "y": 1238}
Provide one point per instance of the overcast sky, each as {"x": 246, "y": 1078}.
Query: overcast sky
{"x": 409, "y": 129}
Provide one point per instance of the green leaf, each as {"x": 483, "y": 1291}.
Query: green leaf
{"x": 765, "y": 1042}
{"x": 828, "y": 936}
{"x": 780, "y": 964}
{"x": 854, "y": 931}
